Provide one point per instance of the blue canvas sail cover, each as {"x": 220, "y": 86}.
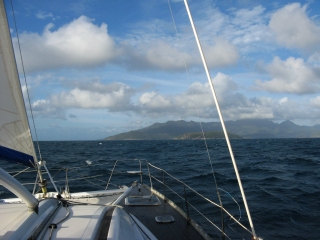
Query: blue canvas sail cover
{"x": 15, "y": 138}
{"x": 16, "y": 156}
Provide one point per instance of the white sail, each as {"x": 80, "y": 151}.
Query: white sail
{"x": 15, "y": 138}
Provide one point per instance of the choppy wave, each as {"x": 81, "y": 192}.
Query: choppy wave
{"x": 280, "y": 176}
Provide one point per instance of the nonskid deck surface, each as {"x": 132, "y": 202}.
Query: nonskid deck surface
{"x": 179, "y": 229}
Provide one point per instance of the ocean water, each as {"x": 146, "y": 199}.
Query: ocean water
{"x": 280, "y": 177}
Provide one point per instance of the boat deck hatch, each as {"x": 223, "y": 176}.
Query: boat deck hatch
{"x": 142, "y": 200}
{"x": 164, "y": 219}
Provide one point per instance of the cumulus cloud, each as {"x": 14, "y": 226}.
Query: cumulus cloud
{"x": 164, "y": 55}
{"x": 82, "y": 44}
{"x": 156, "y": 54}
{"x": 118, "y": 97}
{"x": 294, "y": 29}
{"x": 235, "y": 105}
{"x": 227, "y": 37}
{"x": 221, "y": 54}
{"x": 94, "y": 95}
{"x": 196, "y": 101}
{"x": 153, "y": 100}
{"x": 77, "y": 44}
{"x": 291, "y": 76}
{"x": 253, "y": 29}
{"x": 45, "y": 108}
{"x": 314, "y": 59}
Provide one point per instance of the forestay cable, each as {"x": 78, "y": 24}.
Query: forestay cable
{"x": 220, "y": 116}
{"x": 204, "y": 137}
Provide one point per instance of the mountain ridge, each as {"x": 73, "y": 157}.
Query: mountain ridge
{"x": 244, "y": 128}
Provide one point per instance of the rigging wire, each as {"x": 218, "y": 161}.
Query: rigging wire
{"x": 25, "y": 80}
{"x": 236, "y": 203}
{"x": 221, "y": 119}
{"x": 197, "y": 110}
{"x": 87, "y": 179}
{"x": 21, "y": 172}
{"x": 202, "y": 196}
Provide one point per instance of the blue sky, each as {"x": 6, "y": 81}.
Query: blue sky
{"x": 98, "y": 68}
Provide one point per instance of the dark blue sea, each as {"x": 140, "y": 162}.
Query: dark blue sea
{"x": 281, "y": 178}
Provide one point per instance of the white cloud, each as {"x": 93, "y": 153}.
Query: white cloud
{"x": 249, "y": 26}
{"x": 152, "y": 45}
{"x": 114, "y": 97}
{"x": 283, "y": 100}
{"x": 196, "y": 102}
{"x": 245, "y": 28}
{"x": 77, "y": 44}
{"x": 247, "y": 17}
{"x": 161, "y": 55}
{"x": 223, "y": 84}
{"x": 315, "y": 102}
{"x": 223, "y": 53}
{"x": 45, "y": 108}
{"x": 44, "y": 15}
{"x": 153, "y": 100}
{"x": 24, "y": 91}
{"x": 291, "y": 76}
{"x": 27, "y": 94}
{"x": 314, "y": 59}
{"x": 118, "y": 97}
{"x": 294, "y": 29}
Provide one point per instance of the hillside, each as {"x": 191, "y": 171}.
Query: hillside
{"x": 208, "y": 135}
{"x": 242, "y": 128}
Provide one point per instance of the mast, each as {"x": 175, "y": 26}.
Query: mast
{"x": 221, "y": 118}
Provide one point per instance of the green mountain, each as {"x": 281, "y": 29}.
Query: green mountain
{"x": 208, "y": 135}
{"x": 250, "y": 128}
